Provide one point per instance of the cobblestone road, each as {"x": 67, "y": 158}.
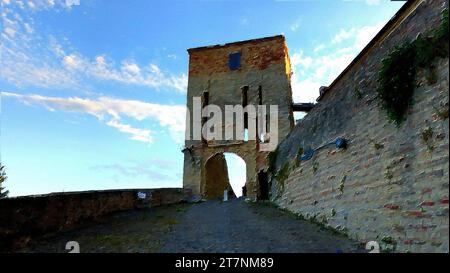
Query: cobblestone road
{"x": 212, "y": 226}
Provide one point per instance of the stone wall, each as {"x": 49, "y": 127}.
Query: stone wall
{"x": 24, "y": 217}
{"x": 391, "y": 184}
{"x": 265, "y": 70}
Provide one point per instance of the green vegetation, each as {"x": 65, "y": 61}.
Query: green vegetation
{"x": 442, "y": 112}
{"x": 426, "y": 135}
{"x": 388, "y": 175}
{"x": 282, "y": 175}
{"x": 388, "y": 244}
{"x": 398, "y": 70}
{"x": 358, "y": 93}
{"x": 378, "y": 146}
{"x": 315, "y": 167}
{"x": 298, "y": 156}
{"x": 3, "y": 178}
{"x": 342, "y": 184}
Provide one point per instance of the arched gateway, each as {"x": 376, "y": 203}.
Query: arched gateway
{"x": 247, "y": 73}
{"x": 220, "y": 173}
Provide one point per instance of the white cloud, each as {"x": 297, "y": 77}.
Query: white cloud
{"x": 130, "y": 67}
{"x": 136, "y": 169}
{"x": 372, "y": 2}
{"x": 312, "y": 72}
{"x": 244, "y": 21}
{"x": 136, "y": 133}
{"x": 298, "y": 59}
{"x": 296, "y": 24}
{"x": 112, "y": 110}
{"x": 343, "y": 35}
{"x": 366, "y": 33}
{"x": 319, "y": 48}
{"x": 9, "y": 31}
{"x": 73, "y": 61}
{"x": 28, "y": 28}
{"x": 30, "y": 58}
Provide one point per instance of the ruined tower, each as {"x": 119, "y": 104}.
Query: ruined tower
{"x": 253, "y": 72}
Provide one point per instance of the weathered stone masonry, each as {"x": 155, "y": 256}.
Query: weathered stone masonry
{"x": 24, "y": 217}
{"x": 264, "y": 73}
{"x": 391, "y": 184}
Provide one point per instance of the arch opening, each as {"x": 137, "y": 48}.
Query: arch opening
{"x": 224, "y": 171}
{"x": 237, "y": 172}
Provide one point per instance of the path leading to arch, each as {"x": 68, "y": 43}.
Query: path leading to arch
{"x": 212, "y": 226}
{"x": 236, "y": 226}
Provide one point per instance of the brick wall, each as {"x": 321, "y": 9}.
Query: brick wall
{"x": 257, "y": 54}
{"x": 265, "y": 70}
{"x": 27, "y": 216}
{"x": 389, "y": 185}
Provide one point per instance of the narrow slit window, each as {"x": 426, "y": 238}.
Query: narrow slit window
{"x": 205, "y": 98}
{"x": 245, "y": 103}
{"x": 205, "y": 102}
{"x": 260, "y": 95}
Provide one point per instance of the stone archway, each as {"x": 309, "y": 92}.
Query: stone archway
{"x": 217, "y": 177}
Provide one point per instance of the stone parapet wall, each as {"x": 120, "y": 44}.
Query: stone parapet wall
{"x": 24, "y": 217}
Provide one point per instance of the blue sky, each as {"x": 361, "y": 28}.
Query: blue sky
{"x": 93, "y": 91}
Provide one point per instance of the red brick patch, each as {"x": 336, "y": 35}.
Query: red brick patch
{"x": 392, "y": 206}
{"x": 426, "y": 203}
{"x": 443, "y": 200}
{"x": 417, "y": 213}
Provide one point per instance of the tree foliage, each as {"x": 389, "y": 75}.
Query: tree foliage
{"x": 3, "y": 177}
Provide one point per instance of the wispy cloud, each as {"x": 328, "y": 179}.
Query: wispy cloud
{"x": 372, "y": 2}
{"x": 324, "y": 64}
{"x": 128, "y": 72}
{"x": 126, "y": 171}
{"x": 172, "y": 56}
{"x": 112, "y": 111}
{"x": 244, "y": 21}
{"x": 343, "y": 35}
{"x": 136, "y": 133}
{"x": 368, "y": 2}
{"x": 296, "y": 24}
{"x": 32, "y": 58}
{"x": 319, "y": 48}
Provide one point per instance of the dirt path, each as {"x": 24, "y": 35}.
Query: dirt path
{"x": 211, "y": 226}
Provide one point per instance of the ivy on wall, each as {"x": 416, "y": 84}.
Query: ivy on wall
{"x": 398, "y": 69}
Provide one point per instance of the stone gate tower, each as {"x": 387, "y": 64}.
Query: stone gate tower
{"x": 252, "y": 72}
